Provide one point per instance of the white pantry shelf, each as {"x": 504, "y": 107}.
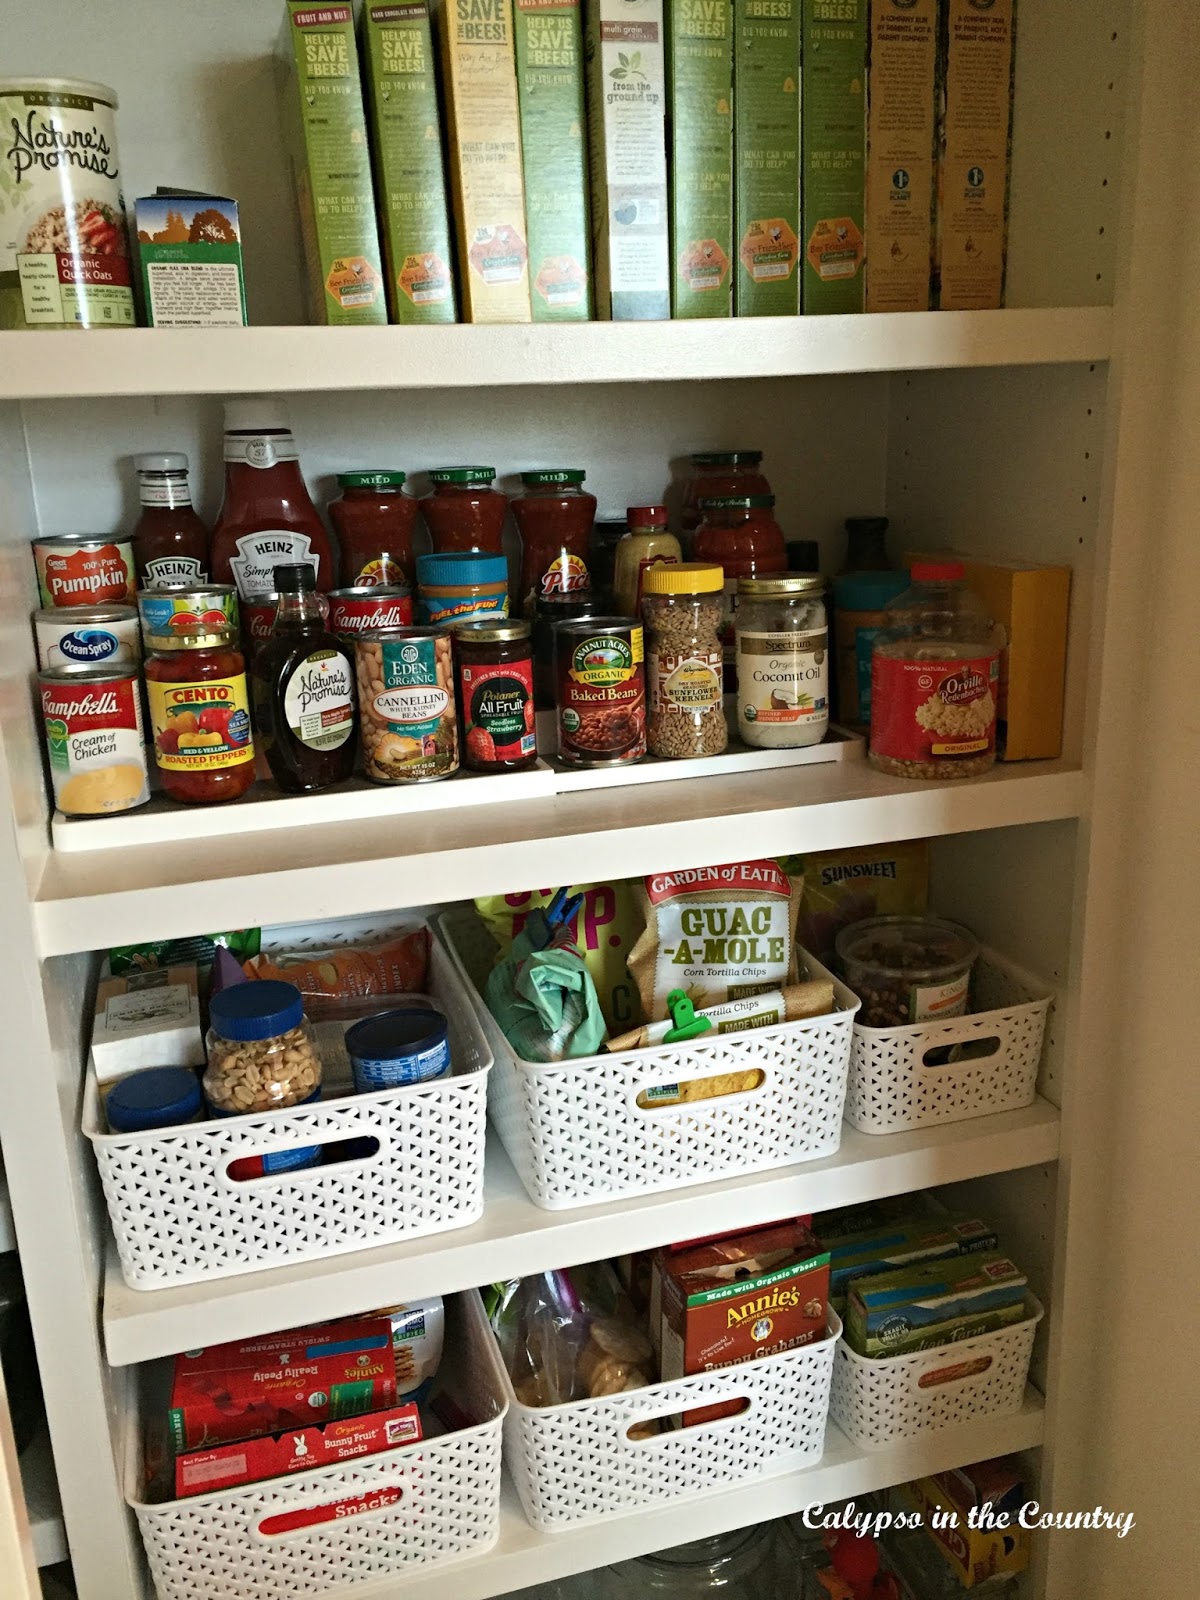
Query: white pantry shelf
{"x": 92, "y": 899}
{"x": 515, "y": 1238}
{"x": 175, "y": 361}
{"x": 42, "y": 1502}
{"x": 522, "y": 1556}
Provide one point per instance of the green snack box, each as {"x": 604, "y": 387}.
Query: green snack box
{"x": 325, "y": 132}
{"x": 190, "y": 254}
{"x": 549, "y": 41}
{"x": 766, "y": 182}
{"x": 933, "y": 1303}
{"x": 833, "y": 154}
{"x": 700, "y": 89}
{"x": 902, "y": 1244}
{"x": 406, "y": 142}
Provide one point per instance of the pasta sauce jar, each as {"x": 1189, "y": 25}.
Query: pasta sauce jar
{"x": 374, "y": 523}
{"x": 554, "y": 516}
{"x": 465, "y": 511}
{"x": 494, "y": 662}
{"x": 720, "y": 472}
{"x": 601, "y": 692}
{"x": 740, "y": 533}
{"x": 200, "y": 713}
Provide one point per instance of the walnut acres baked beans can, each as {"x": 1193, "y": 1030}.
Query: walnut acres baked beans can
{"x": 367, "y": 609}
{"x": 93, "y": 723}
{"x": 406, "y": 705}
{"x": 84, "y": 569}
{"x": 64, "y": 254}
{"x": 601, "y": 686}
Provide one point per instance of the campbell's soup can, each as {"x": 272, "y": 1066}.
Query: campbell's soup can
{"x": 182, "y": 608}
{"x": 258, "y": 618}
{"x": 84, "y": 569}
{"x": 92, "y": 717}
{"x": 87, "y": 636}
{"x": 353, "y": 612}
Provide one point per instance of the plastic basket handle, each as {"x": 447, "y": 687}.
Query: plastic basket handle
{"x": 315, "y": 1513}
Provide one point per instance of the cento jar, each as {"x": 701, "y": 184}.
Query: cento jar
{"x": 374, "y": 522}
{"x": 494, "y": 663}
{"x": 718, "y": 473}
{"x": 782, "y": 661}
{"x": 200, "y": 713}
{"x": 739, "y": 532}
{"x": 681, "y": 607}
{"x": 465, "y": 511}
{"x": 554, "y": 516}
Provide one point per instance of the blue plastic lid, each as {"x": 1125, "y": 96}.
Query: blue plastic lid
{"x": 461, "y": 566}
{"x": 258, "y": 1010}
{"x": 868, "y": 591}
{"x": 392, "y": 1035}
{"x": 156, "y": 1098}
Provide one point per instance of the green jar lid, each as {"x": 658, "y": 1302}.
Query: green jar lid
{"x": 727, "y": 458}
{"x": 740, "y": 502}
{"x": 554, "y": 475}
{"x": 373, "y": 478}
{"x": 460, "y": 475}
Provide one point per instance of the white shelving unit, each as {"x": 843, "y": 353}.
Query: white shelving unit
{"x": 1036, "y": 432}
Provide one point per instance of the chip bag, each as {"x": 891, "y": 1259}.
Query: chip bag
{"x": 390, "y": 966}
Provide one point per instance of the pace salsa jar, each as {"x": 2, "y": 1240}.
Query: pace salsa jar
{"x": 554, "y": 515}
{"x": 465, "y": 511}
{"x": 200, "y": 714}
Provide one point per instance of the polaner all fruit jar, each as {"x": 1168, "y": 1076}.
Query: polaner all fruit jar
{"x": 64, "y": 253}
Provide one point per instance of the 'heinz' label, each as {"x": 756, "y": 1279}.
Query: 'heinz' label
{"x": 71, "y": 574}
{"x": 260, "y": 553}
{"x": 171, "y": 570}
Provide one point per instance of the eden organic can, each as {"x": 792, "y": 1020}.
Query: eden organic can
{"x": 64, "y": 253}
{"x": 87, "y": 636}
{"x": 406, "y": 705}
{"x": 84, "y": 569}
{"x": 601, "y": 692}
{"x": 93, "y": 723}
{"x": 363, "y": 609}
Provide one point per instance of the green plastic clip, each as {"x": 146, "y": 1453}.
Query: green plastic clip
{"x": 687, "y": 1025}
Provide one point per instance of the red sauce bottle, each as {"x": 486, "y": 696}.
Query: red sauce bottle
{"x": 200, "y": 714}
{"x": 374, "y": 523}
{"x": 465, "y": 510}
{"x": 740, "y": 534}
{"x": 716, "y": 474}
{"x": 170, "y": 543}
{"x": 267, "y": 518}
{"x": 554, "y": 517}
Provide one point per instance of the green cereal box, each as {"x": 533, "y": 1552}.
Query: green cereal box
{"x": 626, "y": 108}
{"x": 549, "y": 37}
{"x": 901, "y": 137}
{"x": 190, "y": 253}
{"x": 833, "y": 150}
{"x": 766, "y": 183}
{"x": 700, "y": 92}
{"x": 406, "y": 142}
{"x": 970, "y": 246}
{"x": 933, "y": 1302}
{"x": 325, "y": 131}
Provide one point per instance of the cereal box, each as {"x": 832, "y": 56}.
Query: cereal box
{"x": 833, "y": 151}
{"x": 626, "y": 106}
{"x": 554, "y": 152}
{"x": 766, "y": 181}
{"x": 700, "y": 72}
{"x": 298, "y": 1450}
{"x": 282, "y": 1381}
{"x": 932, "y": 1303}
{"x": 479, "y": 81}
{"x": 899, "y": 1245}
{"x": 325, "y": 132}
{"x": 190, "y": 252}
{"x": 901, "y": 126}
{"x": 406, "y": 143}
{"x": 971, "y": 236}
{"x": 738, "y": 1299}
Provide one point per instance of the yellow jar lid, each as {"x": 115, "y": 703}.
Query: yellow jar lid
{"x": 683, "y": 577}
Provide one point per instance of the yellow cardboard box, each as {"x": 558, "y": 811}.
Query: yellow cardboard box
{"x": 1032, "y": 602}
{"x": 973, "y": 1554}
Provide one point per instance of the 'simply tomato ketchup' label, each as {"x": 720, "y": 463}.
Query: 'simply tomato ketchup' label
{"x": 923, "y": 710}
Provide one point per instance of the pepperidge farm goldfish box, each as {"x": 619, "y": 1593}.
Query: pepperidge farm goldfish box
{"x": 766, "y": 169}
{"x": 833, "y": 154}
{"x": 325, "y": 132}
{"x": 700, "y": 76}
{"x": 406, "y": 143}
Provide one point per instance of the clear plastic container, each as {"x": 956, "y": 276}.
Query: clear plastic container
{"x": 935, "y": 679}
{"x": 261, "y": 1054}
{"x": 741, "y": 1565}
{"x": 908, "y": 969}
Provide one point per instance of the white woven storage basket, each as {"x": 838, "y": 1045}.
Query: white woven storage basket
{"x": 179, "y": 1218}
{"x": 419, "y": 1504}
{"x": 875, "y": 1402}
{"x": 577, "y": 1136}
{"x": 891, "y": 1086}
{"x": 576, "y": 1463}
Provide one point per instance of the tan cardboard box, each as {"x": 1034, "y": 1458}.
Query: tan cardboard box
{"x": 902, "y": 43}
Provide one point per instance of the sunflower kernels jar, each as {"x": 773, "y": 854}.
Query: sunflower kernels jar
{"x": 681, "y": 608}
{"x": 782, "y": 661}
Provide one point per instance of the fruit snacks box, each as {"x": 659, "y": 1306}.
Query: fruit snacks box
{"x": 933, "y": 1303}
{"x": 738, "y": 1299}
{"x": 325, "y": 134}
{"x": 282, "y": 1381}
{"x": 275, "y": 1455}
